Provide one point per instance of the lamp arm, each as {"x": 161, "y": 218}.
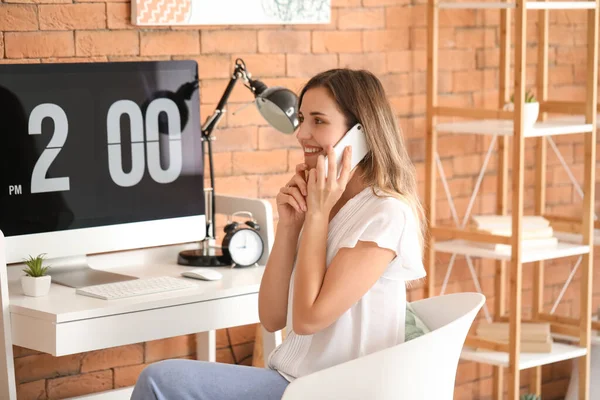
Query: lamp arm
{"x": 207, "y": 129}
{"x": 213, "y": 120}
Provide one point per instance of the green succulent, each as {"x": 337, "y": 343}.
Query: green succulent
{"x": 35, "y": 266}
{"x": 531, "y": 396}
{"x": 529, "y": 98}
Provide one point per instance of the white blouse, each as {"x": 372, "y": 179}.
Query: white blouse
{"x": 377, "y": 320}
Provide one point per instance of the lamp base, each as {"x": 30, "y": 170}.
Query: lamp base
{"x": 200, "y": 258}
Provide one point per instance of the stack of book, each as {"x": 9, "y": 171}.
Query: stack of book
{"x": 535, "y": 337}
{"x": 536, "y": 231}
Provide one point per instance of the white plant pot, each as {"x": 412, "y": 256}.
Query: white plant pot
{"x": 531, "y": 112}
{"x": 36, "y": 286}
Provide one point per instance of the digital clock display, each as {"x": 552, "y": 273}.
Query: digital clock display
{"x": 85, "y": 145}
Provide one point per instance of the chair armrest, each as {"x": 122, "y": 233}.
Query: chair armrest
{"x": 374, "y": 376}
{"x": 327, "y": 384}
{"x": 423, "y": 368}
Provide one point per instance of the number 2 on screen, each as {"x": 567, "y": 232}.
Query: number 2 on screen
{"x": 41, "y": 184}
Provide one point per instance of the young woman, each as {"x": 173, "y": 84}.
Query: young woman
{"x": 344, "y": 251}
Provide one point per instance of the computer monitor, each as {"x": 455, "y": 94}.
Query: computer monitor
{"x": 100, "y": 157}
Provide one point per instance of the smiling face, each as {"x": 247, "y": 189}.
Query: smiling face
{"x": 322, "y": 124}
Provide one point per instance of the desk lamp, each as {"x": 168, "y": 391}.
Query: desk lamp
{"x": 279, "y": 107}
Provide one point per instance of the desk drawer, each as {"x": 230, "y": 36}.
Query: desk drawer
{"x": 117, "y": 330}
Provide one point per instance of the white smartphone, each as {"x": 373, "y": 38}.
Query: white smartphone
{"x": 355, "y": 138}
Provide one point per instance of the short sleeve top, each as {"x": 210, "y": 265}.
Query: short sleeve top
{"x": 377, "y": 320}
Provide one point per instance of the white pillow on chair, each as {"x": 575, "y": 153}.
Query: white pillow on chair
{"x": 414, "y": 326}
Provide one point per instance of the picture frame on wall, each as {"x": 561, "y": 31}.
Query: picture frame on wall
{"x": 229, "y": 12}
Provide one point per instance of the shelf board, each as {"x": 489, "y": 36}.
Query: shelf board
{"x": 575, "y": 119}
{"x": 594, "y": 339}
{"x": 577, "y": 237}
{"x": 530, "y": 5}
{"x": 561, "y": 5}
{"x": 475, "y": 5}
{"x": 563, "y": 249}
{"x": 560, "y": 352}
{"x": 506, "y": 127}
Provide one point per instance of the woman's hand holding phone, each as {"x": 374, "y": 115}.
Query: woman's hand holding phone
{"x": 291, "y": 199}
{"x": 325, "y": 189}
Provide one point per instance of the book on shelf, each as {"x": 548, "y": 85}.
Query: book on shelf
{"x": 530, "y": 331}
{"x": 535, "y": 337}
{"x": 525, "y": 234}
{"x": 529, "y": 223}
{"x": 536, "y": 232}
{"x": 528, "y": 347}
{"x": 527, "y": 244}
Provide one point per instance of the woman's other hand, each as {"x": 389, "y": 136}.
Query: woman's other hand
{"x": 291, "y": 199}
{"x": 324, "y": 192}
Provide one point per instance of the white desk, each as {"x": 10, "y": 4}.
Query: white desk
{"x": 66, "y": 323}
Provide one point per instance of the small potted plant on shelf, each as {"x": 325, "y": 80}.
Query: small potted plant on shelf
{"x": 530, "y": 396}
{"x": 531, "y": 109}
{"x": 35, "y": 282}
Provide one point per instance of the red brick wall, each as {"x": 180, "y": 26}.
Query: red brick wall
{"x": 386, "y": 36}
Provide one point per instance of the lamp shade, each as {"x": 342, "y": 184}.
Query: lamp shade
{"x": 279, "y": 107}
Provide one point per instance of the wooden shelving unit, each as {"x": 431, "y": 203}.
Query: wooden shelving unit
{"x": 577, "y": 236}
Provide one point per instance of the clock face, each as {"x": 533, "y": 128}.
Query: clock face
{"x": 245, "y": 247}
{"x": 86, "y": 145}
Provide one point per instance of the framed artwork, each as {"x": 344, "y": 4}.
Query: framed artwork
{"x": 230, "y": 12}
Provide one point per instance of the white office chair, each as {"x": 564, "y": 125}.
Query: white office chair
{"x": 420, "y": 369}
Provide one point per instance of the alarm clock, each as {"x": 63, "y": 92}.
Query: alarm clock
{"x": 242, "y": 245}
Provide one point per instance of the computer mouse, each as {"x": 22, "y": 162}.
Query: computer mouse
{"x": 203, "y": 273}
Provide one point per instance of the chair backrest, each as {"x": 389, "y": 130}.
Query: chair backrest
{"x": 421, "y": 369}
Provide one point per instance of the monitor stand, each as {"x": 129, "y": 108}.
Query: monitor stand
{"x": 76, "y": 273}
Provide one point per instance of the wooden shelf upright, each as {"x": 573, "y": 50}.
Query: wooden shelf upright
{"x": 577, "y": 235}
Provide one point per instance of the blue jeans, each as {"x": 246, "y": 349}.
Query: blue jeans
{"x": 201, "y": 380}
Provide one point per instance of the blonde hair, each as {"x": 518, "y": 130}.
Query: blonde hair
{"x": 361, "y": 98}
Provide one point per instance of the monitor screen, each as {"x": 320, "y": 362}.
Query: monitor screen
{"x": 98, "y": 144}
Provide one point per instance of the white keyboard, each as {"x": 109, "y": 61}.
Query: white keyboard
{"x": 136, "y": 287}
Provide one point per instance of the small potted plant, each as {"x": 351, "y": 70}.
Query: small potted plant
{"x": 35, "y": 282}
{"x": 531, "y": 109}
{"x": 530, "y": 396}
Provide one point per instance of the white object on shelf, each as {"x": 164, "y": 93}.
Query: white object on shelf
{"x": 530, "y": 5}
{"x": 505, "y": 127}
{"x": 576, "y": 237}
{"x": 463, "y": 247}
{"x": 504, "y": 222}
{"x": 531, "y": 112}
{"x": 36, "y": 286}
{"x": 560, "y": 352}
{"x": 546, "y": 244}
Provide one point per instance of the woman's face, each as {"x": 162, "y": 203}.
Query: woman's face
{"x": 322, "y": 124}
